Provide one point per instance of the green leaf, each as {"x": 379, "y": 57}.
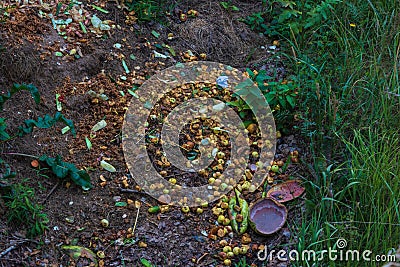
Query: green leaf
{"x": 58, "y": 103}
{"x": 59, "y": 5}
{"x": 270, "y": 98}
{"x": 233, "y": 103}
{"x": 262, "y": 77}
{"x": 107, "y": 166}
{"x": 5, "y": 171}
{"x": 246, "y": 84}
{"x": 82, "y": 179}
{"x": 242, "y": 114}
{"x": 291, "y": 101}
{"x": 121, "y": 204}
{"x": 44, "y": 123}
{"x": 100, "y": 9}
{"x": 224, "y": 4}
{"x": 65, "y": 129}
{"x": 146, "y": 263}
{"x": 57, "y": 166}
{"x": 88, "y": 143}
{"x": 295, "y": 27}
{"x": 282, "y": 102}
{"x": 63, "y": 169}
{"x": 125, "y": 66}
{"x": 171, "y": 50}
{"x": 98, "y": 126}
{"x": 155, "y": 34}
{"x": 3, "y": 126}
{"x": 250, "y": 72}
{"x": 82, "y": 27}
{"x": 133, "y": 94}
{"x": 20, "y": 87}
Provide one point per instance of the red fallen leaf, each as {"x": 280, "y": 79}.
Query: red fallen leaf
{"x": 61, "y": 99}
{"x": 286, "y": 191}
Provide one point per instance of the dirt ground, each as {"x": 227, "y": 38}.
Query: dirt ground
{"x": 171, "y": 238}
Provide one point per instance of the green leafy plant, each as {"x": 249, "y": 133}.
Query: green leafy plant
{"x": 23, "y": 211}
{"x": 3, "y": 126}
{"x": 19, "y": 198}
{"x": 242, "y": 263}
{"x": 241, "y": 105}
{"x": 277, "y": 93}
{"x": 5, "y": 172}
{"x": 17, "y": 88}
{"x": 44, "y": 123}
{"x": 59, "y": 168}
{"x": 147, "y": 10}
{"x": 251, "y": 94}
{"x": 256, "y": 21}
{"x": 65, "y": 169}
{"x": 229, "y": 6}
{"x": 281, "y": 96}
{"x": 290, "y": 17}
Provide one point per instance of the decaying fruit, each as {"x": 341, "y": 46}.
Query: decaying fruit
{"x": 275, "y": 168}
{"x": 183, "y": 17}
{"x": 104, "y": 223}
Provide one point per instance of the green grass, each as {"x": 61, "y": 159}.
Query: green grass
{"x": 344, "y": 56}
{"x": 148, "y": 10}
{"x": 22, "y": 211}
{"x": 347, "y": 68}
{"x": 375, "y": 168}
